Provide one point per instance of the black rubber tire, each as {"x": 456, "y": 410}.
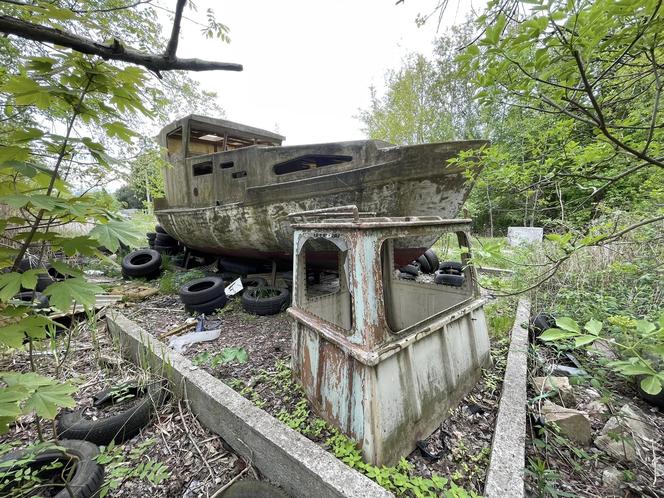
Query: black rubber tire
{"x": 253, "y": 282}
{"x": 201, "y": 290}
{"x": 40, "y": 299}
{"x": 448, "y": 279}
{"x": 250, "y": 488}
{"x": 55, "y": 274}
{"x": 88, "y": 475}
{"x": 653, "y": 399}
{"x": 432, "y": 257}
{"x": 425, "y": 266}
{"x": 43, "y": 281}
{"x": 412, "y": 269}
{"x": 237, "y": 266}
{"x": 163, "y": 239}
{"x": 452, "y": 267}
{"x": 229, "y": 276}
{"x": 209, "y": 307}
{"x": 159, "y": 229}
{"x": 166, "y": 249}
{"x": 253, "y": 303}
{"x": 541, "y": 322}
{"x": 119, "y": 427}
{"x": 141, "y": 263}
{"x": 406, "y": 276}
{"x": 28, "y": 264}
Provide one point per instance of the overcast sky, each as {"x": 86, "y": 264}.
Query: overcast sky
{"x": 308, "y": 65}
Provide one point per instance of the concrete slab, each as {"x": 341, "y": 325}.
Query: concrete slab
{"x": 505, "y": 474}
{"x": 284, "y": 456}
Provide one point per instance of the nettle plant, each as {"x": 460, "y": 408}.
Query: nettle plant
{"x": 50, "y": 103}
{"x": 640, "y": 343}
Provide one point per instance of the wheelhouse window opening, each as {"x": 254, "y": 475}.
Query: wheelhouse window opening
{"x": 309, "y": 162}
{"x": 204, "y": 168}
{"x": 421, "y": 283}
{"x": 326, "y": 288}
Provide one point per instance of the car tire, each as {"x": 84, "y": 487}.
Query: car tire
{"x": 412, "y": 269}
{"x": 43, "y": 281}
{"x": 163, "y": 239}
{"x": 119, "y": 427}
{"x": 254, "y": 303}
{"x": 406, "y": 276}
{"x": 432, "y": 258}
{"x": 449, "y": 279}
{"x": 141, "y": 263}
{"x": 159, "y": 229}
{"x": 209, "y": 307}
{"x": 38, "y": 298}
{"x": 151, "y": 236}
{"x": 424, "y": 264}
{"x": 249, "y": 282}
{"x": 88, "y": 475}
{"x": 166, "y": 249}
{"x": 201, "y": 290}
{"x": 452, "y": 267}
{"x": 250, "y": 488}
{"x": 240, "y": 267}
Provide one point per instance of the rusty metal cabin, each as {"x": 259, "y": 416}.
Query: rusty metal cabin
{"x": 380, "y": 357}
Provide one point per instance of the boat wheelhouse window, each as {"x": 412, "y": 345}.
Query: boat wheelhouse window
{"x": 204, "y": 168}
{"x": 239, "y": 174}
{"x": 310, "y": 161}
{"x": 227, "y": 165}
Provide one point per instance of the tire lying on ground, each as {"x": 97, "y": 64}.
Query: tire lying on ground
{"x": 253, "y": 282}
{"x": 159, "y": 229}
{"x": 208, "y": 307}
{"x": 39, "y": 300}
{"x": 166, "y": 249}
{"x": 119, "y": 427}
{"x": 141, "y": 263}
{"x": 241, "y": 267}
{"x": 163, "y": 239}
{"x": 43, "y": 281}
{"x": 411, "y": 269}
{"x": 449, "y": 279}
{"x": 453, "y": 267}
{"x": 151, "y": 235}
{"x": 539, "y": 323}
{"x": 265, "y": 300}
{"x": 201, "y": 290}
{"x": 77, "y": 460}
{"x": 253, "y": 489}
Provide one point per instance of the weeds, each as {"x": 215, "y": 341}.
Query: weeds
{"x": 171, "y": 281}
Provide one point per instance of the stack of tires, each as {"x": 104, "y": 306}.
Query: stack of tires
{"x": 151, "y": 236}
{"x": 426, "y": 263}
{"x": 450, "y": 273}
{"x": 144, "y": 263}
{"x": 203, "y": 295}
{"x": 45, "y": 279}
{"x": 164, "y": 243}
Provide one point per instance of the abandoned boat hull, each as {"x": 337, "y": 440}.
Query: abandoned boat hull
{"x": 411, "y": 180}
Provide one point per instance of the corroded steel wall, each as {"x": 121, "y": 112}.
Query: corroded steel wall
{"x": 386, "y": 390}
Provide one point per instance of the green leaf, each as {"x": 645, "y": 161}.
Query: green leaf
{"x": 554, "y": 334}
{"x": 119, "y": 130}
{"x": 651, "y": 385}
{"x": 9, "y": 400}
{"x": 234, "y": 354}
{"x": 593, "y": 326}
{"x": 112, "y": 233}
{"x": 29, "y": 380}
{"x": 35, "y": 327}
{"x": 568, "y": 324}
{"x": 582, "y": 340}
{"x": 29, "y": 278}
{"x": 65, "y": 269}
{"x": 644, "y": 327}
{"x": 63, "y": 294}
{"x": 48, "y": 398}
{"x": 10, "y": 285}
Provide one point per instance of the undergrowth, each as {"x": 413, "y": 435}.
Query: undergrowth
{"x": 171, "y": 281}
{"x": 398, "y": 479}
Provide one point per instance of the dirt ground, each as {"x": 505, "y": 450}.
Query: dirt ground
{"x": 197, "y": 461}
{"x": 462, "y": 443}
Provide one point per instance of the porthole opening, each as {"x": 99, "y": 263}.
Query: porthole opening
{"x": 309, "y": 162}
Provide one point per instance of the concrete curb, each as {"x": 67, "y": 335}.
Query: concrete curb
{"x": 508, "y": 454}
{"x": 281, "y": 454}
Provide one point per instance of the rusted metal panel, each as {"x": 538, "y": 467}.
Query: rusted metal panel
{"x": 384, "y": 388}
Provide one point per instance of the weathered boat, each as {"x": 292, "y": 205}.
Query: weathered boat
{"x": 230, "y": 187}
